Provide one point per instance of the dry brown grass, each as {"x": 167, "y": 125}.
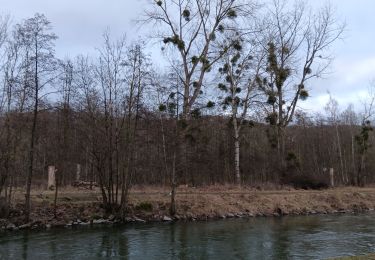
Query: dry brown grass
{"x": 205, "y": 202}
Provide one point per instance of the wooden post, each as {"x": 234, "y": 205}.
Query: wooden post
{"x": 78, "y": 172}
{"x": 331, "y": 177}
{"x": 51, "y": 177}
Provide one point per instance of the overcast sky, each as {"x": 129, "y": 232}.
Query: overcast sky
{"x": 80, "y": 24}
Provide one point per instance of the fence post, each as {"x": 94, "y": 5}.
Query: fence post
{"x": 331, "y": 177}
{"x": 51, "y": 177}
{"x": 78, "y": 173}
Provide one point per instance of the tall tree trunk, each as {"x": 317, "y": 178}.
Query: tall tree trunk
{"x": 32, "y": 140}
{"x": 5, "y": 176}
{"x": 280, "y": 130}
{"x": 236, "y": 151}
{"x": 343, "y": 175}
{"x": 100, "y": 170}
{"x": 10, "y": 193}
{"x": 353, "y": 161}
{"x": 281, "y": 147}
{"x": 360, "y": 176}
{"x": 31, "y": 161}
{"x": 57, "y": 182}
{"x": 172, "y": 209}
{"x": 164, "y": 145}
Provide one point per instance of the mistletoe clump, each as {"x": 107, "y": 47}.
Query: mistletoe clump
{"x": 232, "y": 13}
{"x": 175, "y": 40}
{"x": 304, "y": 94}
{"x": 186, "y": 15}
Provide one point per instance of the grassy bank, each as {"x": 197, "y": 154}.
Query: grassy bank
{"x": 82, "y": 206}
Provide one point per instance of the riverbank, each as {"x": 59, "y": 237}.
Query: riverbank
{"x": 82, "y": 207}
{"x": 364, "y": 257}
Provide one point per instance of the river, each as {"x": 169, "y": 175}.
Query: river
{"x": 302, "y": 237}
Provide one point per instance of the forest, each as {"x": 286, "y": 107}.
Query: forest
{"x": 220, "y": 104}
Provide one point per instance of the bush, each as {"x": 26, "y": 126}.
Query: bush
{"x": 306, "y": 182}
{"x": 145, "y": 206}
{"x": 3, "y": 208}
{"x": 96, "y": 216}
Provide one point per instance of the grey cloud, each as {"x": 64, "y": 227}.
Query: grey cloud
{"x": 80, "y": 24}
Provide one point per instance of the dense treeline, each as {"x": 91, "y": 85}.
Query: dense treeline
{"x": 224, "y": 110}
{"x": 209, "y": 152}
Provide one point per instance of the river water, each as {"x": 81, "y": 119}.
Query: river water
{"x": 307, "y": 237}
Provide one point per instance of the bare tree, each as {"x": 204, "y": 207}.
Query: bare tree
{"x": 89, "y": 106}
{"x": 37, "y": 42}
{"x": 241, "y": 70}
{"x": 110, "y": 73}
{"x": 6, "y": 66}
{"x": 363, "y": 138}
{"x": 169, "y": 99}
{"x": 332, "y": 108}
{"x": 64, "y": 125}
{"x": 298, "y": 45}
{"x": 350, "y": 118}
{"x": 194, "y": 29}
{"x": 137, "y": 77}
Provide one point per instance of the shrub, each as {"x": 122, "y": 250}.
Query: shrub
{"x": 3, "y": 208}
{"x": 306, "y": 182}
{"x": 145, "y": 206}
{"x": 96, "y": 216}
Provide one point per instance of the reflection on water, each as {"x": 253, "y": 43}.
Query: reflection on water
{"x": 313, "y": 237}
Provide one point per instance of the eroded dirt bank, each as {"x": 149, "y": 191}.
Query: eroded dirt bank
{"x": 83, "y": 207}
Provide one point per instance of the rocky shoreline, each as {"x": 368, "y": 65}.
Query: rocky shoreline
{"x": 196, "y": 205}
{"x": 7, "y": 225}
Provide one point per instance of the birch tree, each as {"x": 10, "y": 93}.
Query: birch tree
{"x": 240, "y": 71}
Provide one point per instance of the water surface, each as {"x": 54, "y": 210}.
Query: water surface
{"x": 312, "y": 237}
